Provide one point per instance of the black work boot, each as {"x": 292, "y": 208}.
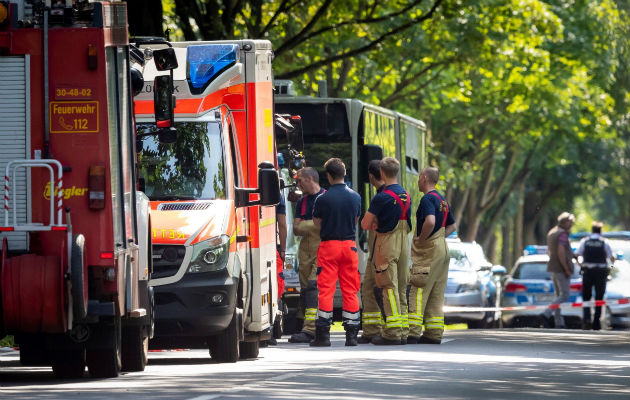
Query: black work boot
{"x": 322, "y": 337}
{"x": 351, "y": 335}
{"x": 381, "y": 341}
{"x": 427, "y": 340}
{"x": 364, "y": 339}
{"x": 301, "y": 337}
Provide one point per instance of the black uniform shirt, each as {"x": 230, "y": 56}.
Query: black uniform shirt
{"x": 305, "y": 211}
{"x": 386, "y": 208}
{"x": 433, "y": 203}
{"x": 339, "y": 209}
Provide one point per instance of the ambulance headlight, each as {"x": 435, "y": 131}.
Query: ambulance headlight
{"x": 210, "y": 255}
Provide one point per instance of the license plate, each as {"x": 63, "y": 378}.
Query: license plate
{"x": 544, "y": 298}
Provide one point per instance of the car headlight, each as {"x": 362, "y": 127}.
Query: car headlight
{"x": 210, "y": 255}
{"x": 468, "y": 287}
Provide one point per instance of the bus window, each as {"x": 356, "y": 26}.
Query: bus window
{"x": 326, "y": 134}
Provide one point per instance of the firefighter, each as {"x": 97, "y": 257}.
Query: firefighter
{"x": 371, "y": 317}
{"x": 596, "y": 252}
{"x": 429, "y": 255}
{"x": 308, "y": 181}
{"x": 337, "y": 212}
{"x": 389, "y": 215}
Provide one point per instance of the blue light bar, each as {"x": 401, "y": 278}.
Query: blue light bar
{"x": 534, "y": 249}
{"x": 206, "y": 61}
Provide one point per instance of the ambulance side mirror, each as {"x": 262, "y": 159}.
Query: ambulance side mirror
{"x": 163, "y": 101}
{"x": 165, "y": 59}
{"x": 268, "y": 188}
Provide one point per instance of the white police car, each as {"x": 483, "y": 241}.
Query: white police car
{"x": 529, "y": 284}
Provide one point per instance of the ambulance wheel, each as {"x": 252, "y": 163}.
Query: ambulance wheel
{"x": 69, "y": 364}
{"x": 135, "y": 349}
{"x": 78, "y": 267}
{"x": 105, "y": 361}
{"x": 249, "y": 349}
{"x": 224, "y": 347}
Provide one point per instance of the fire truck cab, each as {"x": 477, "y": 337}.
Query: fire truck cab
{"x": 214, "y": 240}
{"x": 75, "y": 232}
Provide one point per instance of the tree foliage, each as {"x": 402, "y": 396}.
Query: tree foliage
{"x": 527, "y": 101}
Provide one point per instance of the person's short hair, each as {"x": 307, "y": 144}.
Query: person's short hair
{"x": 390, "y": 167}
{"x": 597, "y": 226}
{"x": 374, "y": 168}
{"x": 565, "y": 217}
{"x": 309, "y": 172}
{"x": 336, "y": 168}
{"x": 432, "y": 174}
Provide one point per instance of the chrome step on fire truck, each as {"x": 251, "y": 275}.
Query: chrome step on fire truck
{"x": 75, "y": 232}
{"x": 214, "y": 240}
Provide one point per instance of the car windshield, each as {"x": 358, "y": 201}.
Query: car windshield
{"x": 458, "y": 259}
{"x": 537, "y": 270}
{"x": 622, "y": 246}
{"x": 190, "y": 168}
{"x": 620, "y": 271}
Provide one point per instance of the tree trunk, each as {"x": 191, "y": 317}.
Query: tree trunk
{"x": 145, "y": 18}
{"x": 506, "y": 250}
{"x": 517, "y": 248}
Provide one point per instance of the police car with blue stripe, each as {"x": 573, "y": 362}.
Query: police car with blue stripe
{"x": 530, "y": 284}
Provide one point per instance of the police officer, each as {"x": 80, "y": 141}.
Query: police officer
{"x": 429, "y": 255}
{"x": 389, "y": 215}
{"x": 308, "y": 181}
{"x": 595, "y": 252}
{"x": 371, "y": 317}
{"x": 337, "y": 212}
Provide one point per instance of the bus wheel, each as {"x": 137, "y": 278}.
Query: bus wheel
{"x": 104, "y": 356}
{"x": 135, "y": 348}
{"x": 249, "y": 349}
{"x": 224, "y": 347}
{"x": 69, "y": 363}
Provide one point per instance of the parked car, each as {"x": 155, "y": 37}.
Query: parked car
{"x": 529, "y": 284}
{"x": 468, "y": 287}
{"x": 488, "y": 276}
{"x": 618, "y": 287}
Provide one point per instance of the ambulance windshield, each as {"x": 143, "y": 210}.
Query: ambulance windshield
{"x": 191, "y": 168}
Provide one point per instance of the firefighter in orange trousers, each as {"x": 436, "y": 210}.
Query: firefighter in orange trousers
{"x": 389, "y": 215}
{"x": 337, "y": 212}
{"x": 303, "y": 226}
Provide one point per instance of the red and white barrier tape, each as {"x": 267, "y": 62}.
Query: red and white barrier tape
{"x": 593, "y": 303}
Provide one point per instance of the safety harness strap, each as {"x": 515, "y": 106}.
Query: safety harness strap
{"x": 403, "y": 206}
{"x": 305, "y": 201}
{"x": 445, "y": 212}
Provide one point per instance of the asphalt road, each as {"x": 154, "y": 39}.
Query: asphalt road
{"x": 498, "y": 364}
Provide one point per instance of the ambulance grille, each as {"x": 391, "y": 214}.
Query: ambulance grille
{"x": 197, "y": 206}
{"x": 167, "y": 259}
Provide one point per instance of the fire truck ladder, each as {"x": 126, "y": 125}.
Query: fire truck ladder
{"x": 11, "y": 171}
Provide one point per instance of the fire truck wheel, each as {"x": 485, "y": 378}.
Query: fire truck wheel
{"x": 78, "y": 265}
{"x": 135, "y": 348}
{"x": 104, "y": 359}
{"x": 69, "y": 363}
{"x": 249, "y": 349}
{"x": 224, "y": 347}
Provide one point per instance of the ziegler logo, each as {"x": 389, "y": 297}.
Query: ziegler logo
{"x": 167, "y": 234}
{"x": 65, "y": 193}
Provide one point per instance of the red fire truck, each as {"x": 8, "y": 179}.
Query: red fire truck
{"x": 214, "y": 240}
{"x": 75, "y": 232}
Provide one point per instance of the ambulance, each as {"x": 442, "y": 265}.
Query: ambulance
{"x": 212, "y": 181}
